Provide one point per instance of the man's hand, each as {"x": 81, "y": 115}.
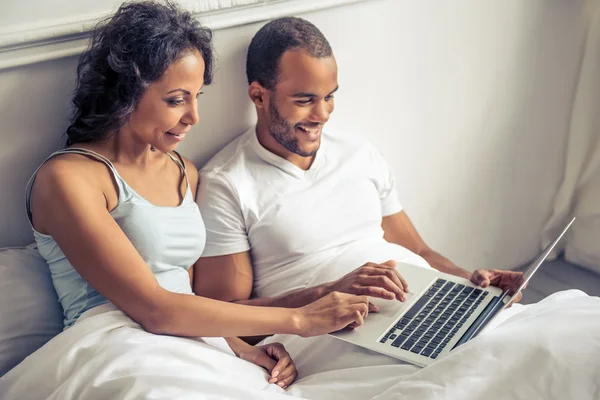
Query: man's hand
{"x": 274, "y": 358}
{"x": 505, "y": 280}
{"x": 376, "y": 280}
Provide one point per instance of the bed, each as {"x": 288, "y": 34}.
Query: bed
{"x": 547, "y": 350}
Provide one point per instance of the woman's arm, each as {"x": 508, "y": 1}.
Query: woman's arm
{"x": 74, "y": 213}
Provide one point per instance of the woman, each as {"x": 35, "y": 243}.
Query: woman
{"x": 114, "y": 213}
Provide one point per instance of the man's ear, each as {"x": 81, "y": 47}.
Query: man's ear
{"x": 257, "y": 94}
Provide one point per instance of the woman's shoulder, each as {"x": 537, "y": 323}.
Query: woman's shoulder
{"x": 70, "y": 173}
{"x": 63, "y": 166}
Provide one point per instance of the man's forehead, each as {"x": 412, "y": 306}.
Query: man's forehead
{"x": 300, "y": 71}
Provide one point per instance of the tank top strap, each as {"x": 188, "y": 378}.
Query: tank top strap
{"x": 75, "y": 150}
{"x": 179, "y": 161}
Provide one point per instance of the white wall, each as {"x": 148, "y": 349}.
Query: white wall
{"x": 469, "y": 100}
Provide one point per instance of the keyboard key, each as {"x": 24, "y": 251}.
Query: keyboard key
{"x": 435, "y": 355}
{"x": 399, "y": 340}
{"x": 393, "y": 336}
{"x": 415, "y": 337}
{"x": 427, "y": 352}
{"x": 416, "y": 349}
{"x": 407, "y": 345}
{"x": 383, "y": 340}
{"x": 416, "y": 307}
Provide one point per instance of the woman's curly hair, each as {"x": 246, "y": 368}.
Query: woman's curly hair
{"x": 127, "y": 52}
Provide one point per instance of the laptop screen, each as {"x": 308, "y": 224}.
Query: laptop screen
{"x": 535, "y": 264}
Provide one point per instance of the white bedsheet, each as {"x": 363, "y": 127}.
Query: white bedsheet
{"x": 549, "y": 350}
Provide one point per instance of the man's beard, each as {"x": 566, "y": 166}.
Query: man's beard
{"x": 284, "y": 133}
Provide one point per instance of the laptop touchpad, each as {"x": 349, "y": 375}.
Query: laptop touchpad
{"x": 390, "y": 308}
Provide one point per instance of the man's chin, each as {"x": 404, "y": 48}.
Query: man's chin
{"x": 310, "y": 146}
{"x": 308, "y": 151}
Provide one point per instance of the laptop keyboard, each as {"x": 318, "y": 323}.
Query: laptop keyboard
{"x": 435, "y": 318}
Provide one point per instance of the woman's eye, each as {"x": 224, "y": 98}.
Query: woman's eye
{"x": 174, "y": 102}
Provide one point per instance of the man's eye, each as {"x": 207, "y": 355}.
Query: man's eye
{"x": 329, "y": 98}
{"x": 307, "y": 101}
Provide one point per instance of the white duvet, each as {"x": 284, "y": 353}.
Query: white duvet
{"x": 550, "y": 350}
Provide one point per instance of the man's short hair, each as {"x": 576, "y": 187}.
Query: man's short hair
{"x": 274, "y": 39}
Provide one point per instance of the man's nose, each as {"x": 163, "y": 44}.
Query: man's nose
{"x": 321, "y": 112}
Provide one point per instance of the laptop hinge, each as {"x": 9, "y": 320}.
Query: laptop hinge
{"x": 488, "y": 312}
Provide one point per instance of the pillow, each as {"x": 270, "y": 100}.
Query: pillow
{"x": 30, "y": 313}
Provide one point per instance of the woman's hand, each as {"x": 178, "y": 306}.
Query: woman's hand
{"x": 331, "y": 313}
{"x": 273, "y": 357}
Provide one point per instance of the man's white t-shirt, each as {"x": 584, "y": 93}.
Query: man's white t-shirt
{"x": 302, "y": 228}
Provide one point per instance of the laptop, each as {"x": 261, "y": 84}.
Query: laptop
{"x": 443, "y": 312}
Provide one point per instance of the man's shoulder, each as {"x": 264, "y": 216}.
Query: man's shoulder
{"x": 231, "y": 157}
{"x": 233, "y": 166}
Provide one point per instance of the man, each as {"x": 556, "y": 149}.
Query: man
{"x": 293, "y": 213}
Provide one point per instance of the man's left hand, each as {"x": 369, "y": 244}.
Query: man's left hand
{"x": 505, "y": 280}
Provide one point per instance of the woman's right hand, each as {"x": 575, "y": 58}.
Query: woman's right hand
{"x": 331, "y": 313}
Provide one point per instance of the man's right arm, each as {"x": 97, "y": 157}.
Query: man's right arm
{"x": 230, "y": 278}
